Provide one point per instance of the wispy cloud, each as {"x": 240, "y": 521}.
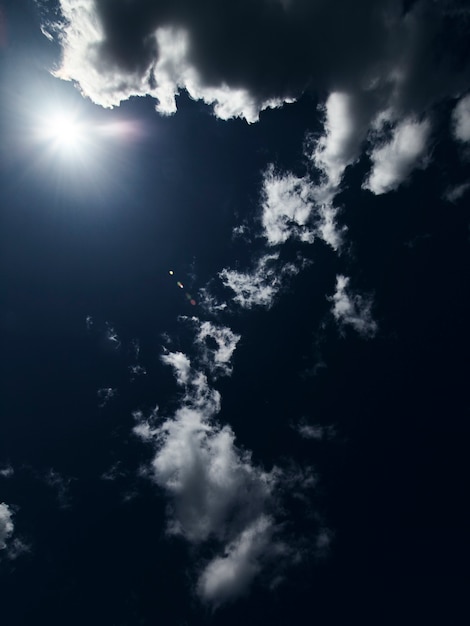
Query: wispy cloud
{"x": 353, "y": 309}
{"x": 218, "y": 496}
{"x": 318, "y": 432}
{"x": 453, "y": 194}
{"x": 260, "y": 286}
{"x": 216, "y": 345}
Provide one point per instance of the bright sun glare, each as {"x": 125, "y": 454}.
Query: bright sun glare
{"x": 64, "y": 132}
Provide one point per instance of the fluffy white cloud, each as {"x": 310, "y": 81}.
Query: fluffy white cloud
{"x": 294, "y": 207}
{"x": 287, "y": 208}
{"x": 353, "y": 309}
{"x": 346, "y": 127}
{"x": 260, "y": 286}
{"x": 461, "y": 119}
{"x": 6, "y": 525}
{"x": 394, "y": 161}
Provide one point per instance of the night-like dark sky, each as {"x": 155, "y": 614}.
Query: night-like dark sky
{"x": 235, "y": 274}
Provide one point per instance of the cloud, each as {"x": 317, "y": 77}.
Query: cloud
{"x": 229, "y": 576}
{"x": 394, "y": 161}
{"x": 287, "y": 208}
{"x": 461, "y": 119}
{"x": 7, "y": 471}
{"x": 260, "y": 286}
{"x": 218, "y": 497}
{"x": 346, "y": 126}
{"x": 295, "y": 208}
{"x": 224, "y": 342}
{"x": 181, "y": 366}
{"x": 246, "y": 56}
{"x": 6, "y": 525}
{"x": 314, "y": 431}
{"x": 61, "y": 485}
{"x": 353, "y": 309}
{"x": 453, "y": 194}
{"x": 105, "y": 394}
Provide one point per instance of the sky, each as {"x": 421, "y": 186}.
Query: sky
{"x": 235, "y": 274}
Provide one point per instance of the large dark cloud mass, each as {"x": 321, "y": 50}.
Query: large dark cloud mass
{"x": 247, "y": 55}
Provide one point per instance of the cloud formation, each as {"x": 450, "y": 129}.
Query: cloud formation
{"x": 461, "y": 119}
{"x": 117, "y": 49}
{"x": 260, "y": 286}
{"x": 217, "y": 495}
{"x": 353, "y": 309}
{"x": 394, "y": 161}
{"x": 216, "y": 346}
{"x": 295, "y": 208}
{"x": 6, "y": 525}
{"x": 454, "y": 193}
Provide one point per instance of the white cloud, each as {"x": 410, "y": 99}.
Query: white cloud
{"x": 229, "y": 576}
{"x": 327, "y": 227}
{"x": 260, "y": 286}
{"x": 394, "y": 161}
{"x": 181, "y": 366}
{"x": 6, "y": 525}
{"x": 295, "y": 208}
{"x": 461, "y": 119}
{"x": 353, "y": 309}
{"x": 287, "y": 208}
{"x": 218, "y": 358}
{"x": 453, "y": 194}
{"x": 346, "y": 127}
{"x": 218, "y": 496}
{"x": 7, "y": 471}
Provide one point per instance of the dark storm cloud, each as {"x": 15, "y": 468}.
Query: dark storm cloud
{"x": 244, "y": 56}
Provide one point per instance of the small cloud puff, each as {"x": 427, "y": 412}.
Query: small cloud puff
{"x": 461, "y": 120}
{"x": 453, "y": 194}
{"x": 353, "y": 309}
{"x": 315, "y": 431}
{"x": 6, "y": 525}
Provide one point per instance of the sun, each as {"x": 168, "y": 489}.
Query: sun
{"x": 65, "y": 131}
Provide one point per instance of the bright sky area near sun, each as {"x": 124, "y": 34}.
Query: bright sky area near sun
{"x": 235, "y": 274}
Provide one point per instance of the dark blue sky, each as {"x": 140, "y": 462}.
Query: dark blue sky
{"x": 307, "y": 462}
